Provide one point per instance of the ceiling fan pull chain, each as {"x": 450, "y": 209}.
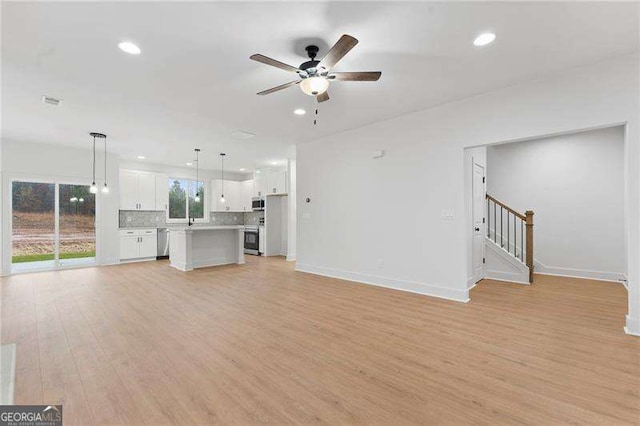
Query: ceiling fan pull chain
{"x": 315, "y": 120}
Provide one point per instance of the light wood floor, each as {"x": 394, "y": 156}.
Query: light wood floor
{"x": 261, "y": 343}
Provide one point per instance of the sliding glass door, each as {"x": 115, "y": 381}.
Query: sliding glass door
{"x": 33, "y": 236}
{"x": 76, "y": 229}
{"x": 53, "y": 225}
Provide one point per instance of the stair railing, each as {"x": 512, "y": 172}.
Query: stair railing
{"x": 511, "y": 230}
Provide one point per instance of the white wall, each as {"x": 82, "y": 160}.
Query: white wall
{"x": 22, "y": 160}
{"x": 575, "y": 186}
{"x": 367, "y": 213}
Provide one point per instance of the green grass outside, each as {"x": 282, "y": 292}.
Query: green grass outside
{"x": 49, "y": 256}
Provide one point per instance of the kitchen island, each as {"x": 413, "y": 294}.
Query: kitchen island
{"x": 202, "y": 246}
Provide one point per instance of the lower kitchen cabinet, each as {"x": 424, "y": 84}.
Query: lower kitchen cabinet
{"x": 138, "y": 244}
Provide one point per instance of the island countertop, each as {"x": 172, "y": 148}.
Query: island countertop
{"x": 207, "y": 228}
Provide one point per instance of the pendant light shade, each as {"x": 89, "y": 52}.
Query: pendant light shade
{"x": 93, "y": 188}
{"x": 197, "y": 197}
{"x": 222, "y": 200}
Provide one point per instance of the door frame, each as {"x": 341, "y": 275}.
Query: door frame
{"x": 483, "y": 227}
{"x": 8, "y": 221}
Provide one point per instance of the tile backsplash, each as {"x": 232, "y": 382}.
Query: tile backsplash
{"x": 157, "y": 219}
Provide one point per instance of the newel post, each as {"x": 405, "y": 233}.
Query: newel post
{"x": 529, "y": 226}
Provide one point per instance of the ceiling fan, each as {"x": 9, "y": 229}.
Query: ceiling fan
{"x": 316, "y": 75}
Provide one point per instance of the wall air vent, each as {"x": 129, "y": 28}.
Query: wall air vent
{"x": 51, "y": 101}
{"x": 241, "y": 134}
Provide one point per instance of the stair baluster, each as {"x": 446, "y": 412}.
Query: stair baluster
{"x": 526, "y": 231}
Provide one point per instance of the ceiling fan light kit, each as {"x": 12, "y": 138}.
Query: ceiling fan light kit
{"x": 316, "y": 75}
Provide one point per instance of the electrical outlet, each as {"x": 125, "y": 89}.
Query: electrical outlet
{"x": 380, "y": 263}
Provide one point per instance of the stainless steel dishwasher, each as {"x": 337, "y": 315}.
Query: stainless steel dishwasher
{"x": 163, "y": 243}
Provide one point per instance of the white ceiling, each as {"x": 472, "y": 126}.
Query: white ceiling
{"x": 194, "y": 84}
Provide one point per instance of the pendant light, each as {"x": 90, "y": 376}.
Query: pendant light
{"x": 105, "y": 188}
{"x": 197, "y": 197}
{"x": 93, "y": 188}
{"x": 222, "y": 154}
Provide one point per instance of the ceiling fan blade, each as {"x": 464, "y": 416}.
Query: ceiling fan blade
{"x": 269, "y": 61}
{"x": 322, "y": 97}
{"x": 356, "y": 76}
{"x": 337, "y": 52}
{"x": 282, "y": 86}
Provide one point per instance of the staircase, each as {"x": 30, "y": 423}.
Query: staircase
{"x": 510, "y": 236}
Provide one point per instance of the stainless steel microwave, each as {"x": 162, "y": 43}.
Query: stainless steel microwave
{"x": 257, "y": 204}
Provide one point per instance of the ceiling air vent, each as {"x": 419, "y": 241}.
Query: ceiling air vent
{"x": 51, "y": 101}
{"x": 241, "y": 134}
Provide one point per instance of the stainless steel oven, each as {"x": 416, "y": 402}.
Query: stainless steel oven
{"x": 251, "y": 240}
{"x": 257, "y": 204}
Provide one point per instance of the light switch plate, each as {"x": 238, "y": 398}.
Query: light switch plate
{"x": 448, "y": 214}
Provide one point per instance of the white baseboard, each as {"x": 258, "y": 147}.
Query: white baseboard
{"x": 541, "y": 268}
{"x": 509, "y": 280}
{"x": 507, "y": 277}
{"x": 291, "y": 257}
{"x": 633, "y": 326}
{"x": 409, "y": 286}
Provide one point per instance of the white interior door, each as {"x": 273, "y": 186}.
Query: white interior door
{"x": 479, "y": 195}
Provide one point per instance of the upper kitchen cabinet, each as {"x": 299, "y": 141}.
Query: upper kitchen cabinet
{"x": 260, "y": 183}
{"x": 277, "y": 181}
{"x": 232, "y": 196}
{"x": 247, "y": 194}
{"x": 162, "y": 192}
{"x": 137, "y": 190}
{"x": 237, "y": 196}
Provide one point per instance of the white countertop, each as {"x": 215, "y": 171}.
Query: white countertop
{"x": 208, "y": 228}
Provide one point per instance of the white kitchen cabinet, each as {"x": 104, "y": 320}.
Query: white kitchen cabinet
{"x": 129, "y": 247}
{"x": 260, "y": 183}
{"x": 246, "y": 192}
{"x": 137, "y": 190}
{"x": 232, "y": 196}
{"x": 162, "y": 192}
{"x": 148, "y": 246}
{"x": 138, "y": 244}
{"x": 277, "y": 182}
{"x": 128, "y": 190}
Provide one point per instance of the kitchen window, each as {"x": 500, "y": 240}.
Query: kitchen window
{"x": 182, "y": 199}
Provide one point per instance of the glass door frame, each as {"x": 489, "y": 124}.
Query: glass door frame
{"x": 8, "y": 246}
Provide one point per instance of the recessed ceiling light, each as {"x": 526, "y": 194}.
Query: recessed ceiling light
{"x": 484, "y": 39}
{"x": 189, "y": 164}
{"x": 299, "y": 111}
{"x": 258, "y": 171}
{"x": 243, "y": 169}
{"x": 274, "y": 163}
{"x": 141, "y": 157}
{"x": 127, "y": 46}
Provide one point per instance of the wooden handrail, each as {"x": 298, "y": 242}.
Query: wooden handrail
{"x": 509, "y": 209}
